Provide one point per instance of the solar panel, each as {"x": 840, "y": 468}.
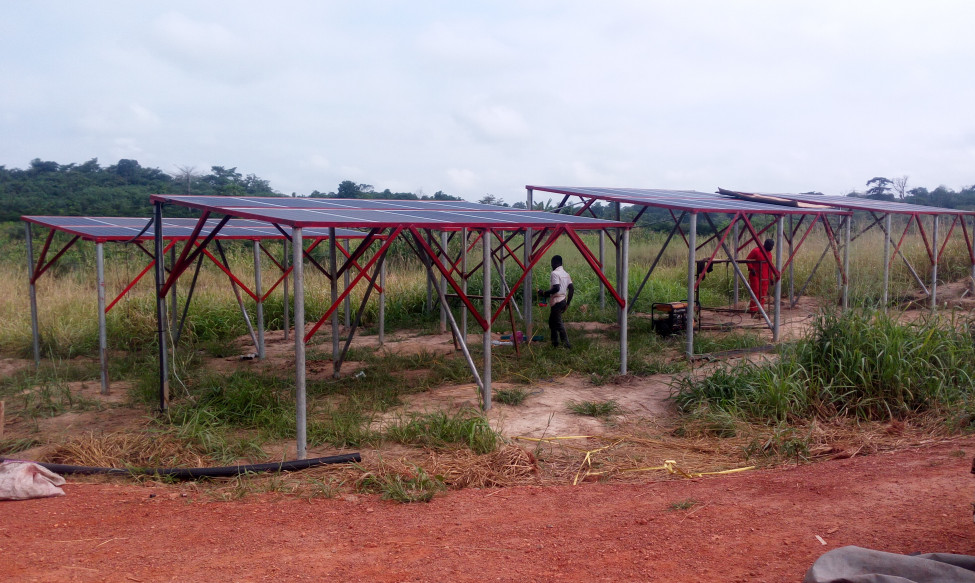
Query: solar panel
{"x": 868, "y": 204}
{"x": 683, "y": 200}
{"x": 370, "y": 213}
{"x": 125, "y": 228}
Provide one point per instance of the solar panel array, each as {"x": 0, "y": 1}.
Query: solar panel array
{"x": 126, "y": 228}
{"x": 372, "y": 213}
{"x": 684, "y": 200}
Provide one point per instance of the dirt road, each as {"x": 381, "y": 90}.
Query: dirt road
{"x": 752, "y": 526}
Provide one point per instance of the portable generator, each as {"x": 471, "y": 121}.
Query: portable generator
{"x": 669, "y": 318}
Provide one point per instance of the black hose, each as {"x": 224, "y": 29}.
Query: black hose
{"x": 195, "y": 473}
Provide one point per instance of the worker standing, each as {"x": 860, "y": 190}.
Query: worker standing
{"x": 560, "y": 295}
{"x": 759, "y": 274}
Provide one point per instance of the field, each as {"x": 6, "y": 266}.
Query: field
{"x": 564, "y": 423}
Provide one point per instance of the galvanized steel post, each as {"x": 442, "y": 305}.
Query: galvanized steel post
{"x": 734, "y": 257}
{"x": 624, "y": 292}
{"x": 777, "y": 314}
{"x": 298, "y": 274}
{"x": 846, "y": 262}
{"x": 441, "y": 293}
{"x": 382, "y": 303}
{"x": 691, "y": 281}
{"x": 528, "y": 291}
{"x": 102, "y": 335}
{"x": 885, "y": 296}
{"x": 347, "y": 303}
{"x": 33, "y": 297}
{"x": 334, "y": 289}
{"x": 934, "y": 264}
{"x": 284, "y": 284}
{"x": 161, "y": 323}
{"x": 463, "y": 282}
{"x": 602, "y": 266}
{"x": 259, "y": 292}
{"x": 486, "y": 262}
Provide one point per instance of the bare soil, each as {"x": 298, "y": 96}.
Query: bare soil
{"x": 599, "y": 507}
{"x": 759, "y": 525}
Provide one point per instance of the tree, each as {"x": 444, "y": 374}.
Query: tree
{"x": 348, "y": 189}
{"x": 900, "y": 186}
{"x": 493, "y": 200}
{"x": 185, "y": 176}
{"x": 880, "y": 189}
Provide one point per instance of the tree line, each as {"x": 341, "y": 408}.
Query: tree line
{"x": 896, "y": 189}
{"x": 123, "y": 189}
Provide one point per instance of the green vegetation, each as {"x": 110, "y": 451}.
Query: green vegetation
{"x": 514, "y": 396}
{"x": 601, "y": 409}
{"x": 864, "y": 365}
{"x": 684, "y": 504}
{"x": 415, "y": 487}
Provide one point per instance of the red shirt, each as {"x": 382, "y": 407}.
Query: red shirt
{"x": 758, "y": 264}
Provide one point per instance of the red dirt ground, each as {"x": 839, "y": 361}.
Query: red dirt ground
{"x": 752, "y": 526}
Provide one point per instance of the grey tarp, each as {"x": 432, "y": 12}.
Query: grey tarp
{"x": 859, "y": 565}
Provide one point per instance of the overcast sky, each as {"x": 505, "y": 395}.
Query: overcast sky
{"x": 477, "y": 98}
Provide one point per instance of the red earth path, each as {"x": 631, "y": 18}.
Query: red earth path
{"x": 753, "y": 526}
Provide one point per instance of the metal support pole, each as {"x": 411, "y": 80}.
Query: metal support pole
{"x": 258, "y": 291}
{"x": 934, "y": 264}
{"x": 284, "y": 284}
{"x": 240, "y": 300}
{"x": 602, "y": 265}
{"x": 429, "y": 305}
{"x": 35, "y": 332}
{"x": 777, "y": 307}
{"x": 624, "y": 292}
{"x": 737, "y": 242}
{"x": 846, "y": 263}
{"x": 347, "y": 303}
{"x": 173, "y": 299}
{"x": 382, "y": 304}
{"x": 528, "y": 292}
{"x": 972, "y": 260}
{"x": 486, "y": 262}
{"x": 691, "y": 280}
{"x": 298, "y": 274}
{"x": 443, "y": 284}
{"x": 792, "y": 273}
{"x": 102, "y": 335}
{"x": 334, "y": 288}
{"x": 160, "y": 257}
{"x": 463, "y": 284}
{"x": 619, "y": 233}
{"x": 885, "y": 296}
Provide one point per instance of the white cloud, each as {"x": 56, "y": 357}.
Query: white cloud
{"x": 462, "y": 178}
{"x": 485, "y": 98}
{"x": 494, "y": 123}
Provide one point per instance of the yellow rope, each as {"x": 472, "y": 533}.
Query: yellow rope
{"x": 669, "y": 465}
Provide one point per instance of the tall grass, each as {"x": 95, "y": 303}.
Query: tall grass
{"x": 865, "y": 365}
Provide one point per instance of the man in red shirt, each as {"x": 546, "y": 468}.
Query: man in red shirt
{"x": 759, "y": 273}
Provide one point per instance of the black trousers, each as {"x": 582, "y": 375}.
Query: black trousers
{"x": 555, "y": 324}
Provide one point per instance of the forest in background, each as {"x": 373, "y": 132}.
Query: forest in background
{"x": 123, "y": 189}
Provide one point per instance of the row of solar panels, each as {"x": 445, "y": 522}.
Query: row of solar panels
{"x": 316, "y": 215}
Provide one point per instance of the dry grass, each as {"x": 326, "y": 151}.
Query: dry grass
{"x": 126, "y": 450}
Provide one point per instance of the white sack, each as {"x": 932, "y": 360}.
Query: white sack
{"x": 24, "y": 480}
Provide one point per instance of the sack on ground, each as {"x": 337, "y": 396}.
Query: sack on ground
{"x": 25, "y": 480}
